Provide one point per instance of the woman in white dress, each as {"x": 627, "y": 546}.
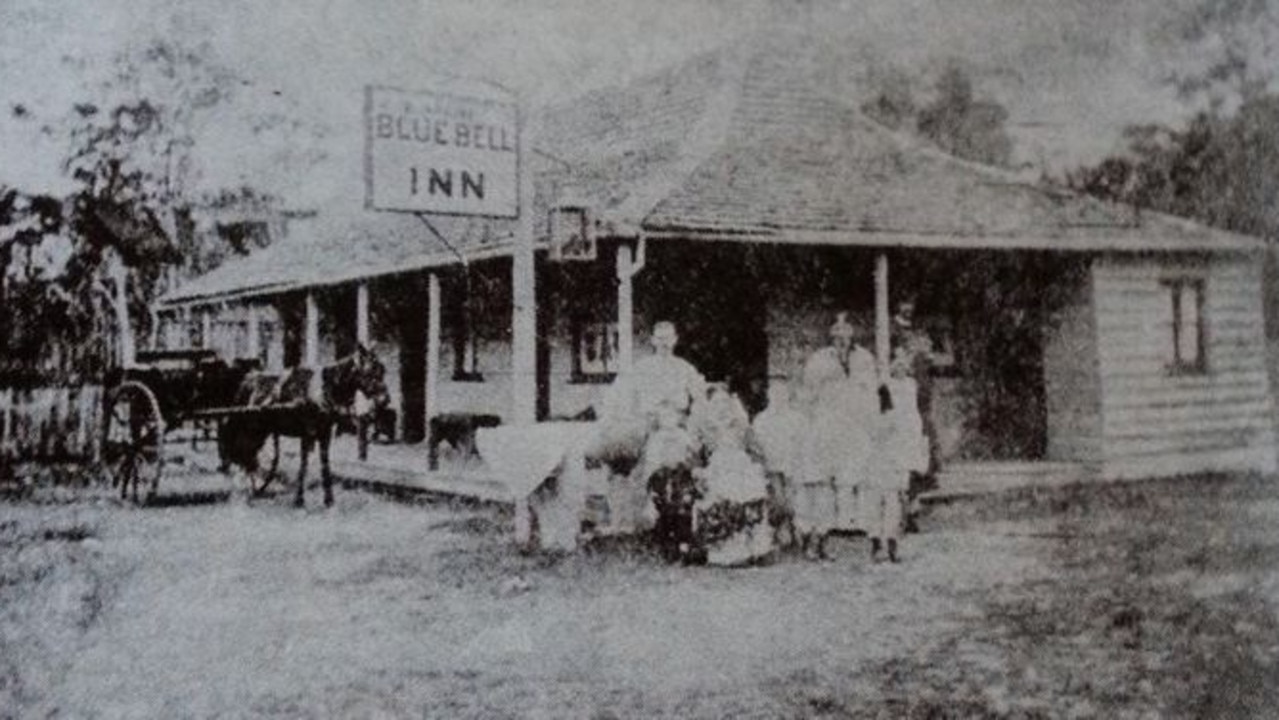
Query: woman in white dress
{"x": 839, "y": 384}
{"x": 899, "y": 448}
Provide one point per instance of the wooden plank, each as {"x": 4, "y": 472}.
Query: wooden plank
{"x": 1135, "y": 321}
{"x": 1255, "y": 458}
{"x": 226, "y": 411}
{"x": 1134, "y": 310}
{"x": 1173, "y": 398}
{"x": 1153, "y": 382}
{"x": 1188, "y": 433}
{"x": 1160, "y": 270}
{"x": 1173, "y": 447}
{"x": 1223, "y": 362}
{"x": 1154, "y": 283}
{"x": 1156, "y": 420}
{"x": 1181, "y": 399}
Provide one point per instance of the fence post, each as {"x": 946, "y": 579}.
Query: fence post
{"x": 6, "y": 421}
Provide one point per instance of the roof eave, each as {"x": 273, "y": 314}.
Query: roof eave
{"x": 426, "y": 261}
{"x": 1080, "y": 239}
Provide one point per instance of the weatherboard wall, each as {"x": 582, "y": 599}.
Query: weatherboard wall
{"x": 1157, "y": 420}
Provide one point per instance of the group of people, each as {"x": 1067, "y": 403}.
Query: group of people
{"x": 845, "y": 443}
{"x": 833, "y": 451}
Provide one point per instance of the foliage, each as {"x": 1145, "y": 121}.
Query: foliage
{"x": 131, "y": 142}
{"x": 25, "y": 222}
{"x": 955, "y": 118}
{"x": 1220, "y": 169}
{"x": 1230, "y": 44}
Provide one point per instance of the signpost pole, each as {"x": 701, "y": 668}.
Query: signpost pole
{"x": 524, "y": 299}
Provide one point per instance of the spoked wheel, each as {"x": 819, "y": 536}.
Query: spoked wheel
{"x": 268, "y": 464}
{"x": 133, "y": 441}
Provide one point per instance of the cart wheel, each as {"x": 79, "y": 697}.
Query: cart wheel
{"x": 268, "y": 464}
{"x": 133, "y": 441}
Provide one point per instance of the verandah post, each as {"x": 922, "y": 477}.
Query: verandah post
{"x": 883, "y": 352}
{"x": 524, "y": 303}
{"x": 432, "y": 350}
{"x": 311, "y": 334}
{"x": 625, "y": 311}
{"x": 206, "y": 327}
{"x": 254, "y": 339}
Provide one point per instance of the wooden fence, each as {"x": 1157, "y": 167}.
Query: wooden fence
{"x": 50, "y": 423}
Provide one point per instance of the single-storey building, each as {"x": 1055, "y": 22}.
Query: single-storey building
{"x": 749, "y": 208}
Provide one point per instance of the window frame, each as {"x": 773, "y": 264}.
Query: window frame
{"x": 1176, "y": 287}
{"x": 465, "y": 338}
{"x": 466, "y": 354}
{"x": 577, "y": 334}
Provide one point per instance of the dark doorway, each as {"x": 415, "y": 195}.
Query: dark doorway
{"x": 990, "y": 308}
{"x": 410, "y": 322}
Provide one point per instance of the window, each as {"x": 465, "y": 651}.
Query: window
{"x": 594, "y": 351}
{"x": 1185, "y": 347}
{"x": 465, "y": 352}
{"x": 465, "y": 312}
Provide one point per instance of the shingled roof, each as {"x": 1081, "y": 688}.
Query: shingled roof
{"x": 748, "y": 144}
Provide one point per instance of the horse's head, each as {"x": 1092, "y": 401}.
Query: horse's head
{"x": 360, "y": 374}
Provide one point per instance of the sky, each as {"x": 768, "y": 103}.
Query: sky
{"x": 1073, "y": 73}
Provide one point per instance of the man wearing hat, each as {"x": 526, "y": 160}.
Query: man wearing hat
{"x": 660, "y": 385}
{"x": 839, "y": 382}
{"x": 914, "y": 351}
{"x": 664, "y": 379}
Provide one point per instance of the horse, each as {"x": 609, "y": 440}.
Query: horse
{"x": 305, "y": 403}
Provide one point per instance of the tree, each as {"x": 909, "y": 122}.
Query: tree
{"x": 25, "y": 222}
{"x": 1228, "y": 47}
{"x": 131, "y": 143}
{"x": 1219, "y": 169}
{"x": 963, "y": 125}
{"x": 956, "y": 120}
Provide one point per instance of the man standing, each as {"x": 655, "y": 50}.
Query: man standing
{"x": 662, "y": 379}
{"x": 839, "y": 383}
{"x": 914, "y": 353}
{"x": 660, "y": 386}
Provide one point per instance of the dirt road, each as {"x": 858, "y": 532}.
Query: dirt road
{"x": 1047, "y": 605}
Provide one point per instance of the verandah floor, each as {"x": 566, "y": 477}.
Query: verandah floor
{"x": 404, "y": 468}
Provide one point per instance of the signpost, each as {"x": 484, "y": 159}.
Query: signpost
{"x": 458, "y": 153}
{"x": 441, "y": 153}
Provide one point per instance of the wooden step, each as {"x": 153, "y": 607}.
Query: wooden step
{"x": 978, "y": 478}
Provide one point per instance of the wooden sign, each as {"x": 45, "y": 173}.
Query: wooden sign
{"x": 441, "y": 153}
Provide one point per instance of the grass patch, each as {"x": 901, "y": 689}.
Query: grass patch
{"x": 1154, "y": 607}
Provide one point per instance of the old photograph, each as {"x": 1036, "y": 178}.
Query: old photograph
{"x": 620, "y": 359}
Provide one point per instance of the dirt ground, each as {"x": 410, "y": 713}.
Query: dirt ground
{"x": 1141, "y": 600}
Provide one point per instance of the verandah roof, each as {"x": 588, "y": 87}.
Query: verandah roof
{"x": 734, "y": 145}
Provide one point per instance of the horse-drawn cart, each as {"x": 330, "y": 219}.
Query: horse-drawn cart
{"x": 165, "y": 391}
{"x": 149, "y": 406}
